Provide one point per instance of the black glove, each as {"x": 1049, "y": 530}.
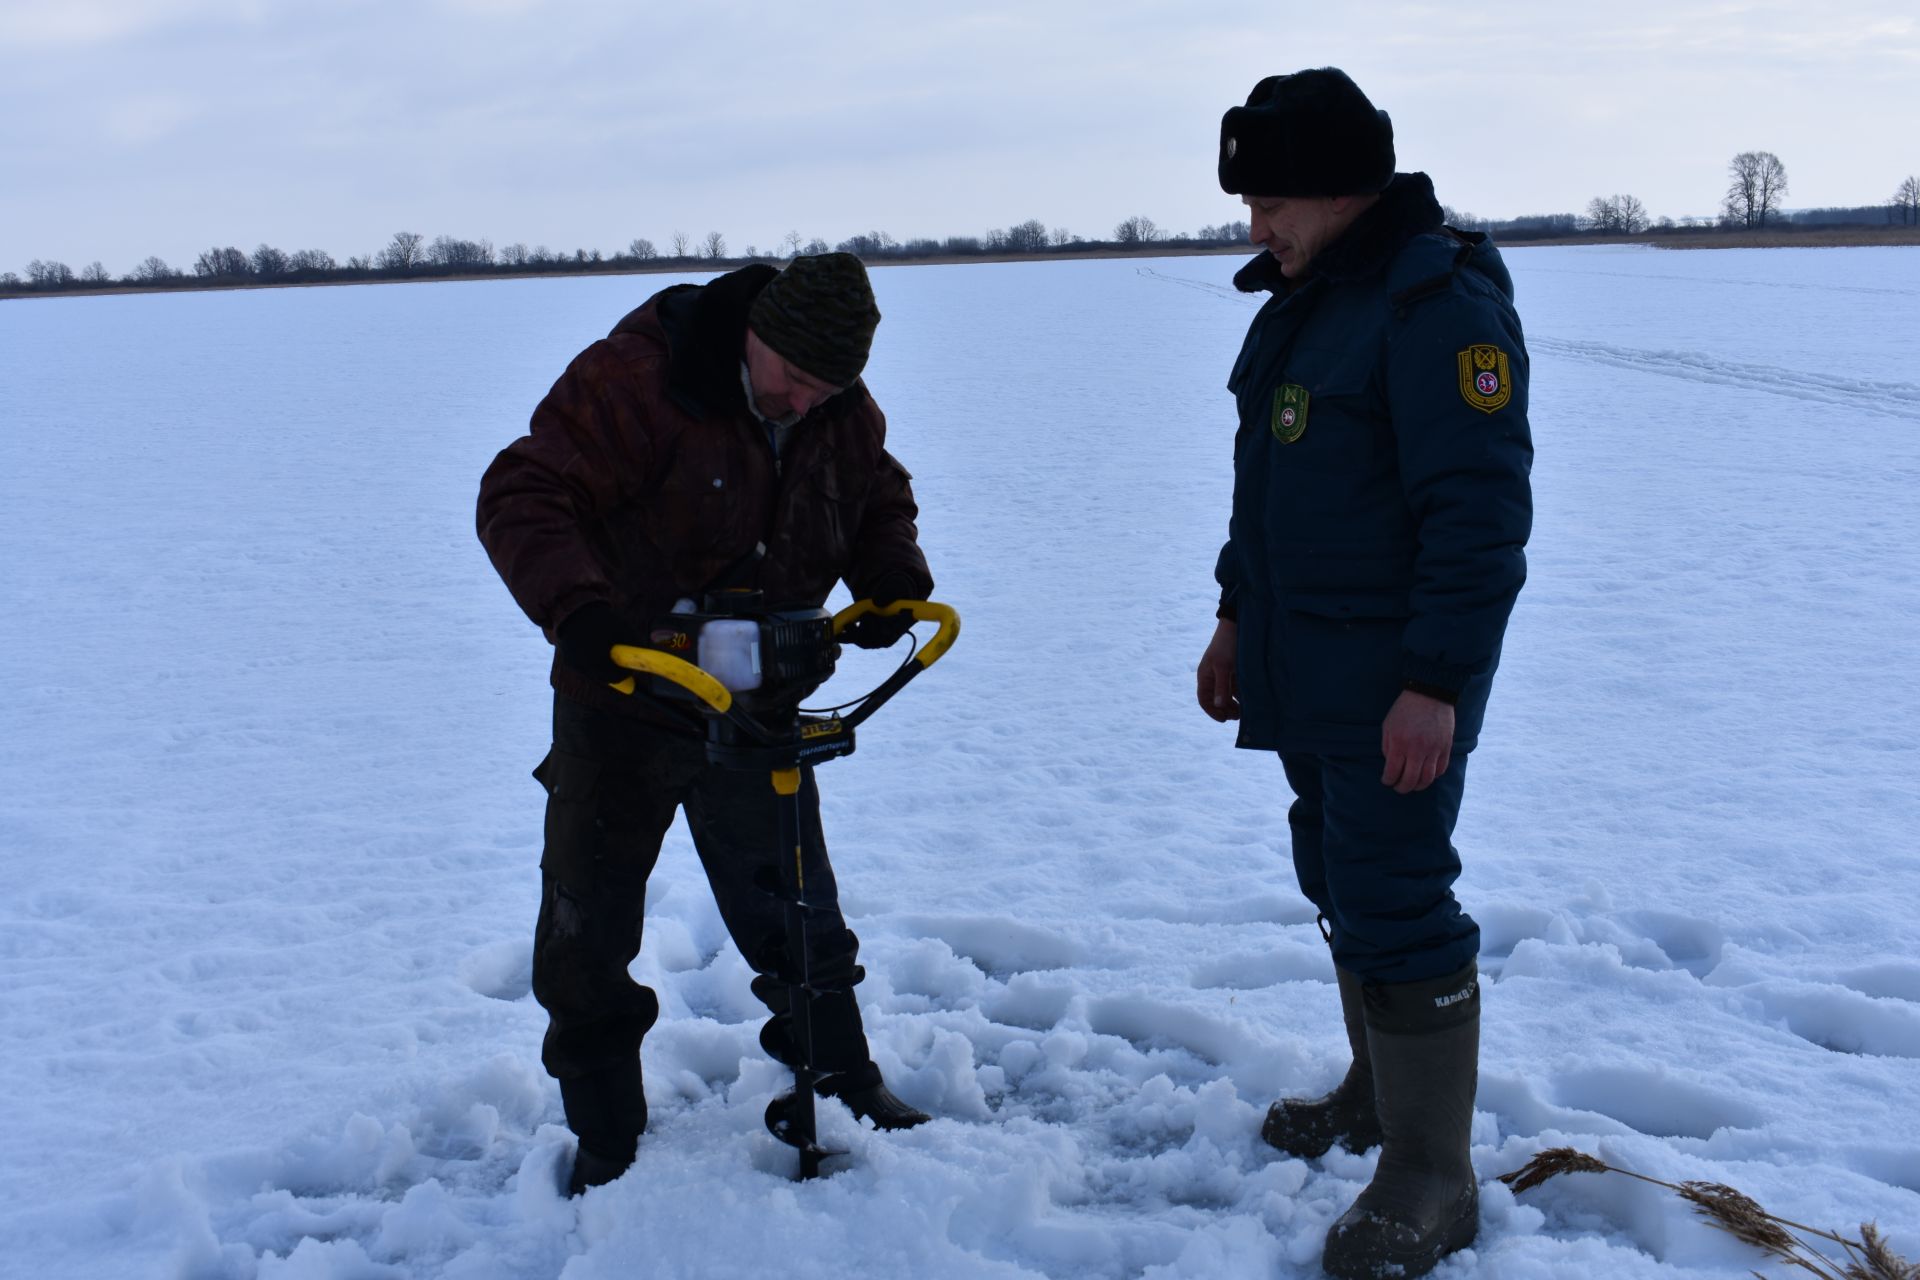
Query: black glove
{"x": 874, "y": 631}
{"x": 586, "y": 641}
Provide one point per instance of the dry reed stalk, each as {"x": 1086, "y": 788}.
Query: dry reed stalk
{"x": 1742, "y": 1217}
{"x": 1881, "y": 1263}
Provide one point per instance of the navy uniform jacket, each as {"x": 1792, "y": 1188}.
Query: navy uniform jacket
{"x": 1380, "y": 496}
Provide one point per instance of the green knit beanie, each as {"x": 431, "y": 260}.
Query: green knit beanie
{"x": 819, "y": 314}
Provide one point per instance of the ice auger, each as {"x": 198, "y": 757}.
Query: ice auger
{"x": 751, "y": 667}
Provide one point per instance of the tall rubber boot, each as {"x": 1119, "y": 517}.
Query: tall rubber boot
{"x": 1306, "y": 1127}
{"x": 607, "y": 1111}
{"x": 1423, "y": 1202}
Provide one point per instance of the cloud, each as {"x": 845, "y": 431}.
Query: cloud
{"x": 44, "y": 24}
{"x": 145, "y": 118}
{"x": 591, "y": 121}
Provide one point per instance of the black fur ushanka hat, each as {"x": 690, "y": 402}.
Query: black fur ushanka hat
{"x": 1313, "y": 133}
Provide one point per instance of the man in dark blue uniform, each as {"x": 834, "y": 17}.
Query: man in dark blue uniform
{"x": 1380, "y": 510}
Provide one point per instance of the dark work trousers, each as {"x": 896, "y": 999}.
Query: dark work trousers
{"x": 1380, "y": 866}
{"x": 613, "y": 784}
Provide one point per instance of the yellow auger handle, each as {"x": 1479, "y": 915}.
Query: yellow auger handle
{"x": 683, "y": 673}
{"x": 922, "y": 611}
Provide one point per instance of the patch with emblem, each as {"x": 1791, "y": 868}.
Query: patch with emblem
{"x": 1484, "y": 381}
{"x": 1289, "y": 413}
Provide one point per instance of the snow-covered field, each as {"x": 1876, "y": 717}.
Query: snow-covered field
{"x": 269, "y": 842}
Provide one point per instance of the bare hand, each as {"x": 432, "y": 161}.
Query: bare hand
{"x": 1219, "y": 682}
{"x": 1417, "y": 740}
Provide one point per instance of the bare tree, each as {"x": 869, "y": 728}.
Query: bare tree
{"x": 815, "y": 247}
{"x": 790, "y": 245}
{"x": 405, "y": 252}
{"x": 870, "y": 244}
{"x": 682, "y": 244}
{"x": 268, "y": 262}
{"x": 1061, "y": 237}
{"x": 153, "y": 270}
{"x": 1757, "y": 182}
{"x": 8, "y": 280}
{"x": 359, "y": 262}
{"x": 515, "y": 254}
{"x": 716, "y": 245}
{"x": 1236, "y": 232}
{"x": 459, "y": 255}
{"x": 95, "y": 272}
{"x": 1027, "y": 237}
{"x": 1906, "y": 200}
{"x": 49, "y": 275}
{"x": 1616, "y": 215}
{"x": 1137, "y": 230}
{"x": 313, "y": 260}
{"x": 222, "y": 264}
{"x": 642, "y": 249}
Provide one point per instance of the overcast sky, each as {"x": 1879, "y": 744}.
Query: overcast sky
{"x": 136, "y": 127}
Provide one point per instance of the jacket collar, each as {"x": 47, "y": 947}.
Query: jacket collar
{"x": 706, "y": 331}
{"x": 1406, "y": 209}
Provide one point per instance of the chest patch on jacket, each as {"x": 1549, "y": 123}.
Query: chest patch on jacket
{"x": 1289, "y": 413}
{"x": 1484, "y": 381}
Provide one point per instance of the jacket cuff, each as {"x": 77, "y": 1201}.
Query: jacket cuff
{"x": 1441, "y": 680}
{"x": 1449, "y": 696}
{"x": 1228, "y": 611}
{"x": 568, "y": 605}
{"x": 895, "y": 584}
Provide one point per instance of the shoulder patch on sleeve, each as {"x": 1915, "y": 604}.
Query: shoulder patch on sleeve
{"x": 1484, "y": 379}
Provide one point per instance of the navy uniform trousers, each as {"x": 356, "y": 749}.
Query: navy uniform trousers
{"x": 1380, "y": 866}
{"x": 613, "y": 785}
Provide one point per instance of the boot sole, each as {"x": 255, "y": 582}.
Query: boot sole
{"x": 1377, "y": 1264}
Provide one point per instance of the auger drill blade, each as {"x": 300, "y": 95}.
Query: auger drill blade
{"x": 783, "y": 1122}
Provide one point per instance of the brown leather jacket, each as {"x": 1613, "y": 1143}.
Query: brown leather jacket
{"x": 645, "y": 478}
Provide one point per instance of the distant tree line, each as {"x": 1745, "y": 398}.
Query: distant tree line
{"x": 1756, "y": 185}
{"x": 410, "y": 255}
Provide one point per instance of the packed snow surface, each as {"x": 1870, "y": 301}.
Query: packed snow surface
{"x": 270, "y": 843}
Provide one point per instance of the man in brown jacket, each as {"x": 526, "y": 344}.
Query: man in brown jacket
{"x": 719, "y": 437}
